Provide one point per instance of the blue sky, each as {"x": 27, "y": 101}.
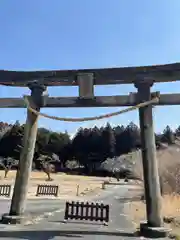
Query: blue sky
{"x": 67, "y": 34}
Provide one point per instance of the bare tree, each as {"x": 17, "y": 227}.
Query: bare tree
{"x": 7, "y": 164}
{"x": 122, "y": 166}
{"x": 46, "y": 164}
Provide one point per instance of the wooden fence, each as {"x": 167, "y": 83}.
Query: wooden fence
{"x": 5, "y": 190}
{"x": 50, "y": 190}
{"x": 87, "y": 211}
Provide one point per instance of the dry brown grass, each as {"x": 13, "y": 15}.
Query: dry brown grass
{"x": 169, "y": 170}
{"x": 67, "y": 184}
{"x": 170, "y": 208}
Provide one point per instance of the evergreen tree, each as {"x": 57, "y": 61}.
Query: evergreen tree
{"x": 118, "y": 132}
{"x": 109, "y": 142}
{"x": 168, "y": 136}
{"x": 11, "y": 142}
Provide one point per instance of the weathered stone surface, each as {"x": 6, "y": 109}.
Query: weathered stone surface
{"x": 153, "y": 232}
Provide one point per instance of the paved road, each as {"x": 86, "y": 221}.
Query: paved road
{"x": 52, "y": 227}
{"x": 34, "y": 207}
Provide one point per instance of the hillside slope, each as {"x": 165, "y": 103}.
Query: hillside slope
{"x": 168, "y": 157}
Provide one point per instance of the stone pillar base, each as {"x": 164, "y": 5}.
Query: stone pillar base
{"x": 153, "y": 232}
{"x": 7, "y": 219}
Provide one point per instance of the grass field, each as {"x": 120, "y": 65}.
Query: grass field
{"x": 68, "y": 184}
{"x": 170, "y": 208}
{"x": 169, "y": 170}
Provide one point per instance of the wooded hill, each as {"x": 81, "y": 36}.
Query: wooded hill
{"x": 88, "y": 149}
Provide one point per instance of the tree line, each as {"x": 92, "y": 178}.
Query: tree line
{"x": 87, "y": 150}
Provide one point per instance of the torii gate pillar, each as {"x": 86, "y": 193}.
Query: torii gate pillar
{"x": 18, "y": 202}
{"x": 154, "y": 225}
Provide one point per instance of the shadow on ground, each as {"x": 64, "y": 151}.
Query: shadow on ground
{"x": 78, "y": 222}
{"x": 50, "y": 234}
{"x": 130, "y": 199}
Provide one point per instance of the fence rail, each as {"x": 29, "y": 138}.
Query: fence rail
{"x": 87, "y": 211}
{"x": 5, "y": 190}
{"x": 50, "y": 190}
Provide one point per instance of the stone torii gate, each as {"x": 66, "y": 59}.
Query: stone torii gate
{"x": 142, "y": 78}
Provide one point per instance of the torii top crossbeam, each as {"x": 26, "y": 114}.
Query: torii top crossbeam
{"x": 102, "y": 76}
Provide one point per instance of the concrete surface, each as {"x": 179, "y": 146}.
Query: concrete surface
{"x": 52, "y": 227}
{"x": 34, "y": 207}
